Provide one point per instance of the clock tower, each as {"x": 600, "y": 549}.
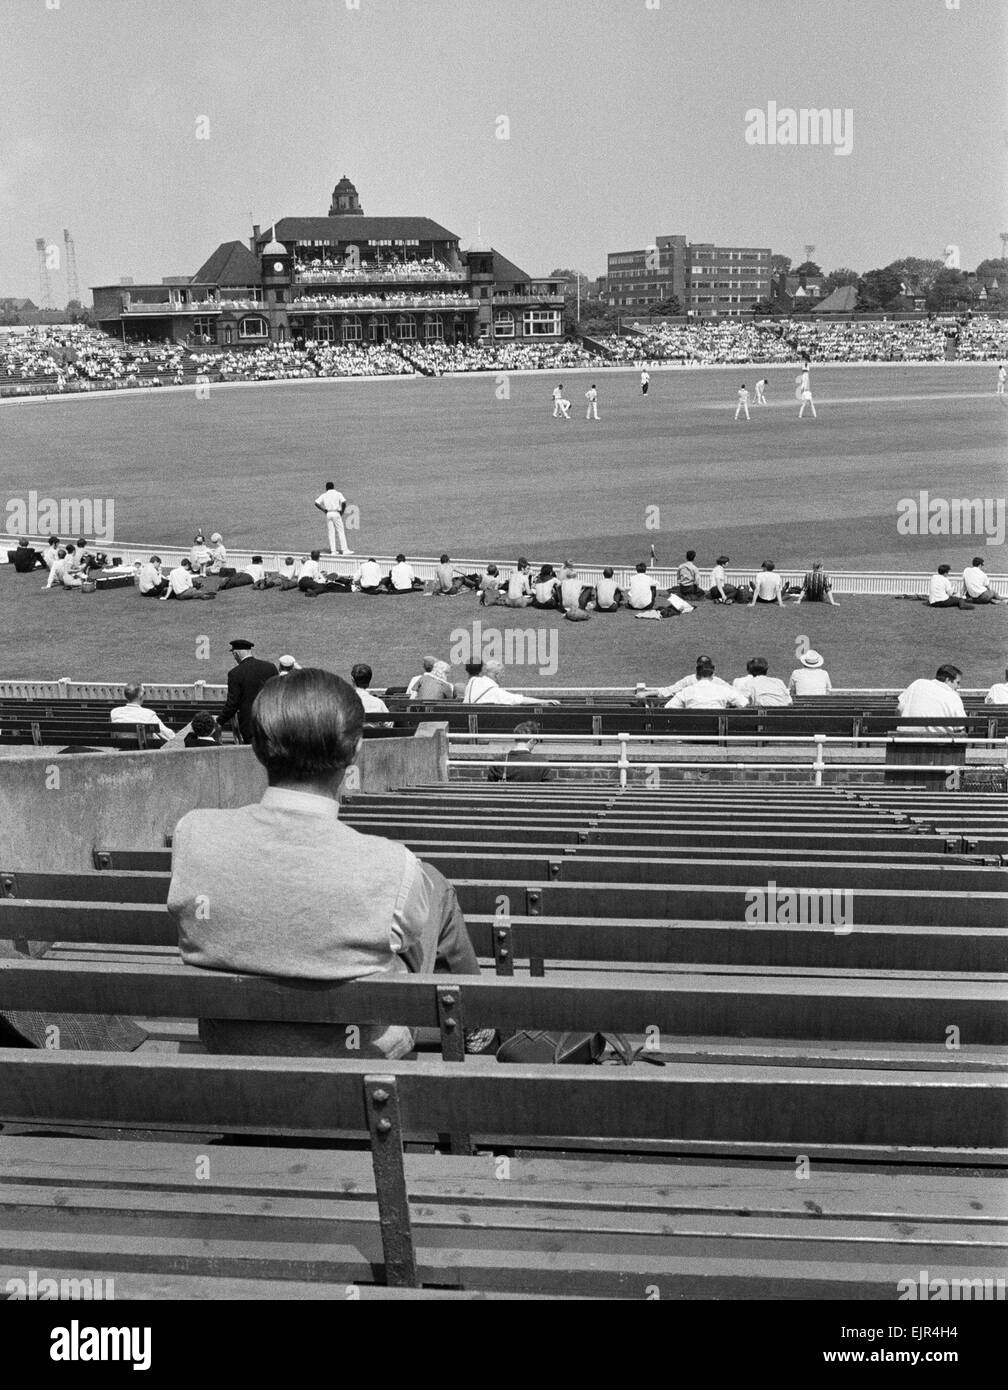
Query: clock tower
{"x": 345, "y": 202}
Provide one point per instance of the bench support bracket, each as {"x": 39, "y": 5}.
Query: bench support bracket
{"x": 381, "y": 1102}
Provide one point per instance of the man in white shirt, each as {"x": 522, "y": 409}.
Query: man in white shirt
{"x": 482, "y": 687}
{"x": 933, "y": 697}
{"x": 640, "y": 593}
{"x": 180, "y": 584}
{"x": 66, "y": 572}
{"x": 941, "y": 590}
{"x": 645, "y": 381}
{"x": 518, "y": 593}
{"x": 560, "y": 405}
{"x": 150, "y": 581}
{"x": 591, "y": 396}
{"x": 402, "y": 580}
{"x": 707, "y": 691}
{"x": 570, "y": 587}
{"x": 369, "y": 577}
{"x": 768, "y": 586}
{"x": 135, "y": 712}
{"x": 976, "y": 585}
{"x": 998, "y": 693}
{"x": 810, "y": 678}
{"x": 607, "y": 593}
{"x": 361, "y": 676}
{"x": 665, "y": 692}
{"x": 766, "y": 692}
{"x": 805, "y": 392}
{"x": 51, "y": 553}
{"x": 332, "y": 504}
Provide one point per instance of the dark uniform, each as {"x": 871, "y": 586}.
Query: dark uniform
{"x": 244, "y": 684}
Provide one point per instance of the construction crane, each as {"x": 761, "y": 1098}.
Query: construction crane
{"x": 44, "y": 283}
{"x": 73, "y": 284}
{"x": 809, "y": 248}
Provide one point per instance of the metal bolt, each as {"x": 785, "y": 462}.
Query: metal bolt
{"x": 383, "y": 1126}
{"x": 503, "y": 954}
{"x": 450, "y": 1023}
{"x": 449, "y": 1000}
{"x": 379, "y": 1097}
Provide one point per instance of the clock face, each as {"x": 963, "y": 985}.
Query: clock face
{"x": 278, "y": 266}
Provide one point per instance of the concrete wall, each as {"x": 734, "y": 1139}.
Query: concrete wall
{"x": 55, "y": 810}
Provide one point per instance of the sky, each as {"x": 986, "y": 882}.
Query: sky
{"x": 624, "y": 120}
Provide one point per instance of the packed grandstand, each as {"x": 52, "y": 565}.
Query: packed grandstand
{"x": 77, "y": 357}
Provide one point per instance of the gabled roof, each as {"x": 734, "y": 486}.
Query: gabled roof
{"x": 505, "y": 272}
{"x": 843, "y": 300}
{"x": 231, "y": 264}
{"x": 361, "y": 229}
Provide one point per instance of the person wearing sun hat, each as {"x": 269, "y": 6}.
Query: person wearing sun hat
{"x": 810, "y": 678}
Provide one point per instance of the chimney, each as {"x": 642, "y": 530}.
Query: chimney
{"x": 254, "y": 237}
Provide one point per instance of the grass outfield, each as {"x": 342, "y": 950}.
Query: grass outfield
{"x": 435, "y": 463}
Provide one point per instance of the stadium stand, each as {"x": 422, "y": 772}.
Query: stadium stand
{"x": 757, "y": 1040}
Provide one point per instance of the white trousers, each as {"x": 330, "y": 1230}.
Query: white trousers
{"x": 334, "y": 524}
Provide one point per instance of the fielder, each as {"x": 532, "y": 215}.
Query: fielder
{"x": 591, "y": 396}
{"x": 333, "y": 504}
{"x": 560, "y": 405}
{"x": 743, "y": 401}
{"x": 761, "y": 386}
{"x": 804, "y": 393}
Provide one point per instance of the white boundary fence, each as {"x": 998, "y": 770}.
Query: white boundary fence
{"x": 425, "y": 567}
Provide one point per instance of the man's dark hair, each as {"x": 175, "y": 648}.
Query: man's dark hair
{"x": 977, "y": 560}
{"x": 944, "y": 569}
{"x": 641, "y": 567}
{"x": 54, "y": 540}
{"x": 691, "y": 555}
{"x": 704, "y": 668}
{"x": 361, "y": 675}
{"x": 315, "y": 554}
{"x": 257, "y": 559}
{"x": 155, "y": 560}
{"x": 132, "y": 691}
{"x": 757, "y": 666}
{"x": 444, "y": 559}
{"x": 306, "y": 726}
{"x": 492, "y": 569}
{"x": 607, "y": 572}
{"x": 330, "y": 484}
{"x": 203, "y": 724}
{"x": 947, "y": 673}
{"x": 400, "y": 558}
{"x": 768, "y": 564}
{"x": 70, "y": 549}
{"x": 701, "y": 660}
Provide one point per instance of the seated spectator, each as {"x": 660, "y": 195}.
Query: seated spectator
{"x": 817, "y": 586}
{"x": 720, "y": 590}
{"x": 218, "y": 553}
{"x": 56, "y": 570}
{"x": 544, "y": 594}
{"x": 286, "y": 665}
{"x": 182, "y": 585}
{"x": 26, "y": 558}
{"x": 762, "y": 690}
{"x": 312, "y": 581}
{"x": 287, "y": 572}
{"x": 482, "y": 687}
{"x": 86, "y": 558}
{"x": 810, "y": 678}
{"x": 515, "y": 765}
{"x": 573, "y": 594}
{"x": 688, "y": 577}
{"x": 489, "y": 588}
{"x": 998, "y": 693}
{"x": 362, "y": 675}
{"x": 436, "y": 683}
{"x": 66, "y": 572}
{"x": 932, "y": 697}
{"x": 300, "y": 895}
{"x": 414, "y": 681}
{"x": 519, "y": 590}
{"x": 707, "y": 691}
{"x": 51, "y": 552}
{"x": 976, "y": 585}
{"x": 446, "y": 582}
{"x": 402, "y": 579}
{"x": 608, "y": 596}
{"x": 665, "y": 692}
{"x": 941, "y": 590}
{"x": 768, "y": 586}
{"x": 150, "y": 581}
{"x": 134, "y": 711}
{"x": 641, "y": 590}
{"x": 203, "y": 732}
{"x": 369, "y": 577}
{"x": 200, "y": 556}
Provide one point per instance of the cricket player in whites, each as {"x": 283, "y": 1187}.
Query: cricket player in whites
{"x": 761, "y": 386}
{"x": 333, "y": 504}
{"x": 591, "y": 396}
{"x": 743, "y": 401}
{"x": 804, "y": 393}
{"x": 561, "y": 406}
{"x": 1001, "y": 382}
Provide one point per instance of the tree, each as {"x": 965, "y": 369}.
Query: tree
{"x": 571, "y": 292}
{"x": 762, "y": 308}
{"x": 947, "y": 288}
{"x": 840, "y": 277}
{"x": 996, "y": 268}
{"x": 781, "y": 263}
{"x": 807, "y": 268}
{"x": 914, "y": 268}
{"x": 877, "y": 288}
